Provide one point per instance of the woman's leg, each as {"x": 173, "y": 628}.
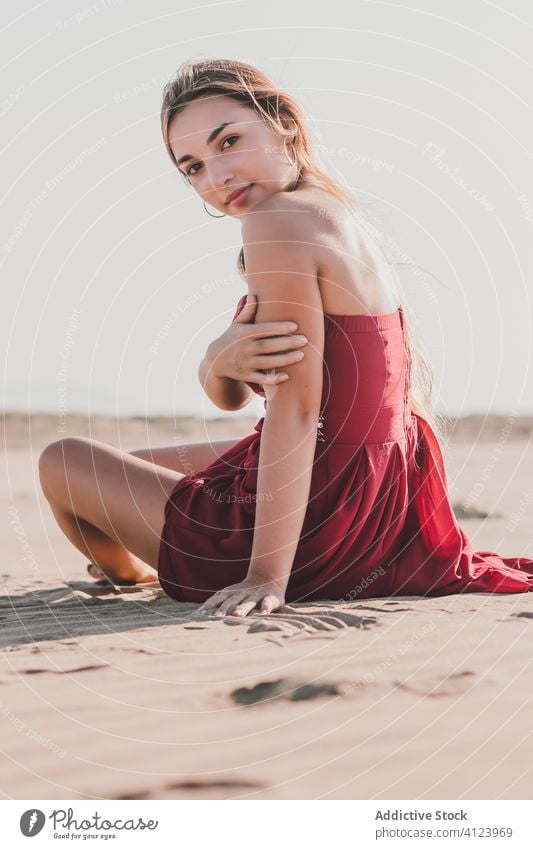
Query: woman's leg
{"x": 116, "y": 561}
{"x": 108, "y": 503}
{"x": 188, "y": 458}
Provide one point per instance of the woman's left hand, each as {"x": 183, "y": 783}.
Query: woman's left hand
{"x": 246, "y": 595}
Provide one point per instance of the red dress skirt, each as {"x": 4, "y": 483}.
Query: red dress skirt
{"x": 379, "y": 521}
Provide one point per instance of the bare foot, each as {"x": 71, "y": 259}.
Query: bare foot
{"x": 146, "y": 575}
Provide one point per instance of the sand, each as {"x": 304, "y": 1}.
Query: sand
{"x": 127, "y": 694}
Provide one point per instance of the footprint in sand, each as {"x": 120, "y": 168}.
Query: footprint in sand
{"x": 60, "y": 671}
{"x": 284, "y": 688}
{"x": 436, "y": 686}
{"x": 222, "y": 788}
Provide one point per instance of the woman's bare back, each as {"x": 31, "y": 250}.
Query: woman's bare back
{"x": 353, "y": 274}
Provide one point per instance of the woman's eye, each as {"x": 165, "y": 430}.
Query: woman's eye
{"x": 228, "y": 138}
{"x": 191, "y": 173}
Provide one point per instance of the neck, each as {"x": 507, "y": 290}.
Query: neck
{"x": 306, "y": 179}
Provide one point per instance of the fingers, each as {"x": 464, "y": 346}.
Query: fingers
{"x": 266, "y": 328}
{"x": 211, "y": 602}
{"x": 244, "y": 608}
{"x": 270, "y": 343}
{"x": 274, "y": 353}
{"x": 276, "y": 360}
{"x": 270, "y": 379}
{"x": 269, "y": 603}
{"x": 264, "y": 355}
{"x": 273, "y": 328}
{"x": 247, "y": 312}
{"x": 244, "y": 605}
{"x": 223, "y": 601}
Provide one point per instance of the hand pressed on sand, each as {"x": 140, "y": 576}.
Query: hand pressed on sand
{"x": 246, "y": 595}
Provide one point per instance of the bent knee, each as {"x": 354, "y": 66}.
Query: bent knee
{"x": 55, "y": 451}
{"x": 54, "y": 458}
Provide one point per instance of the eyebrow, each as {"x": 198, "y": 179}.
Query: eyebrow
{"x": 211, "y": 138}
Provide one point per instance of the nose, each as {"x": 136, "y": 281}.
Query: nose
{"x": 218, "y": 178}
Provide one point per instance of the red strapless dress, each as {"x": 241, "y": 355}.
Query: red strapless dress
{"x": 379, "y": 521}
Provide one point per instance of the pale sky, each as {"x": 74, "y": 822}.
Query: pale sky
{"x": 115, "y": 279}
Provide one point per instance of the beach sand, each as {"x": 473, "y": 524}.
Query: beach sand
{"x": 127, "y": 694}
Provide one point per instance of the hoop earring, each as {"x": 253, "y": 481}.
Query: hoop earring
{"x": 286, "y": 154}
{"x": 211, "y": 214}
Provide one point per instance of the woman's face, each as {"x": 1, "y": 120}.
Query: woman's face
{"x": 246, "y": 152}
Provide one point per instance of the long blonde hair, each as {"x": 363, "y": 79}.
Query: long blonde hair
{"x": 251, "y": 87}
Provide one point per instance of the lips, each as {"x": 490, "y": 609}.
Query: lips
{"x": 237, "y": 194}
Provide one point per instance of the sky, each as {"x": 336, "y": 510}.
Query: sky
{"x": 114, "y": 278}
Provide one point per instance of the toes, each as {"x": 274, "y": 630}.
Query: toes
{"x": 94, "y": 571}
{"x": 98, "y": 574}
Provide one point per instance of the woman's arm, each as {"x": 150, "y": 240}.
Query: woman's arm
{"x": 281, "y": 271}
{"x": 241, "y": 352}
{"x": 226, "y": 393}
{"x": 283, "y": 484}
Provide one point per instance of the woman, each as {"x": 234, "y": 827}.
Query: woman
{"x": 340, "y": 490}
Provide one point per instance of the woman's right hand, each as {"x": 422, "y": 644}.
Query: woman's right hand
{"x": 245, "y": 348}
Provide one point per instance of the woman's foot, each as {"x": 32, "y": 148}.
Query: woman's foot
{"x": 144, "y": 575}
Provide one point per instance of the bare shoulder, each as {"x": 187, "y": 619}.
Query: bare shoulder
{"x": 352, "y": 270}
{"x": 288, "y": 201}
{"x": 284, "y": 215}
